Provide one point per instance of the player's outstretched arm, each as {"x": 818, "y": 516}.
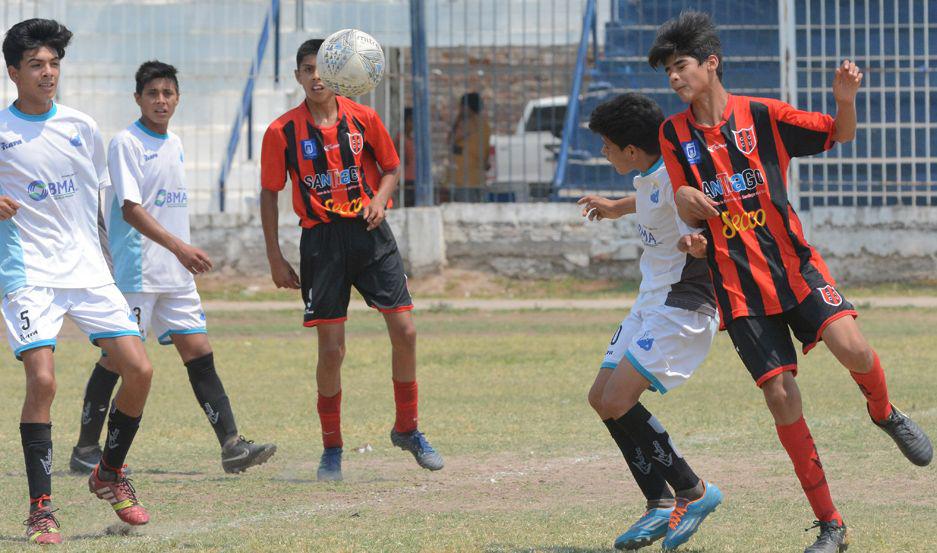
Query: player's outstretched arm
{"x": 192, "y": 258}
{"x": 596, "y": 208}
{"x": 8, "y": 207}
{"x": 846, "y": 83}
{"x": 280, "y": 270}
{"x": 374, "y": 212}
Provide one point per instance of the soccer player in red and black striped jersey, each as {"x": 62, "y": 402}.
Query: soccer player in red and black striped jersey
{"x": 344, "y": 170}
{"x": 727, "y": 157}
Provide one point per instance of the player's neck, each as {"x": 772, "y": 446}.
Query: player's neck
{"x": 153, "y": 126}
{"x": 325, "y": 113}
{"x": 708, "y": 107}
{"x": 33, "y": 107}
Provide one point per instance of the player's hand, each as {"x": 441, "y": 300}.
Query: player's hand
{"x": 693, "y": 244}
{"x": 693, "y": 206}
{"x": 193, "y": 259}
{"x": 373, "y": 213}
{"x": 846, "y": 83}
{"x": 8, "y": 207}
{"x": 596, "y": 208}
{"x": 283, "y": 274}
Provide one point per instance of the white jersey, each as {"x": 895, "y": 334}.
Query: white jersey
{"x": 53, "y": 165}
{"x": 668, "y": 276}
{"x": 147, "y": 168}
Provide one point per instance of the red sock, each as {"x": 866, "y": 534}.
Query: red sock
{"x": 874, "y": 389}
{"x": 798, "y": 442}
{"x": 405, "y": 397}
{"x": 330, "y": 417}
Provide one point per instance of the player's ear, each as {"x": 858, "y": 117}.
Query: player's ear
{"x": 13, "y": 72}
{"x": 712, "y": 63}
{"x": 138, "y": 99}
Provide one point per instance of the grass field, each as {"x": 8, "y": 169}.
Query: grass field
{"x": 529, "y": 466}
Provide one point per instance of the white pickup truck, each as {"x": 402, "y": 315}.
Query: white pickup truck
{"x": 523, "y": 163}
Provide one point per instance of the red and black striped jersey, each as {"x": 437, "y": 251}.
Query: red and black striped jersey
{"x": 761, "y": 264}
{"x": 335, "y": 170}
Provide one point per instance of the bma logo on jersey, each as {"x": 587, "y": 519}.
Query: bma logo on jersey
{"x": 310, "y": 149}
{"x": 179, "y": 198}
{"x": 39, "y": 190}
{"x": 691, "y": 151}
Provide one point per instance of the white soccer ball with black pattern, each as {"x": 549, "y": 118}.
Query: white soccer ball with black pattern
{"x": 350, "y": 62}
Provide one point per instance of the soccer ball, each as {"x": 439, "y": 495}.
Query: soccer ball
{"x": 350, "y": 62}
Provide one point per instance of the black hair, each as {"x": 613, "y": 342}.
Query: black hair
{"x": 472, "y": 100}
{"x": 691, "y": 34}
{"x": 629, "y": 119}
{"x": 31, "y": 34}
{"x": 153, "y": 69}
{"x": 308, "y": 48}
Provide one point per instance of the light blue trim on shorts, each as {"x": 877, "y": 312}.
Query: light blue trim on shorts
{"x": 656, "y": 386}
{"x": 34, "y": 345}
{"x": 113, "y": 334}
{"x": 609, "y": 365}
{"x": 165, "y": 339}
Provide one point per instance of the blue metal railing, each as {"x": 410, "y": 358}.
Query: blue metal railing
{"x": 245, "y": 110}
{"x": 572, "y": 110}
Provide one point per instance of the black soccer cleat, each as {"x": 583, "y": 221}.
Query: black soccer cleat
{"x": 911, "y": 440}
{"x": 330, "y": 465}
{"x": 833, "y": 537}
{"x": 243, "y": 454}
{"x": 415, "y": 442}
{"x": 84, "y": 459}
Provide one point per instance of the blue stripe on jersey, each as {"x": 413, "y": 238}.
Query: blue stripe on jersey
{"x": 654, "y": 167}
{"x": 126, "y": 251}
{"x": 12, "y": 267}
{"x": 41, "y": 117}
{"x": 143, "y": 128}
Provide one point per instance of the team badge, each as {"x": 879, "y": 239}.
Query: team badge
{"x": 691, "y": 151}
{"x": 655, "y": 196}
{"x": 356, "y": 141}
{"x": 310, "y": 149}
{"x": 830, "y": 296}
{"x": 745, "y": 139}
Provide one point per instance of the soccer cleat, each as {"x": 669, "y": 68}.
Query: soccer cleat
{"x": 121, "y": 495}
{"x": 688, "y": 515}
{"x": 42, "y": 528}
{"x": 330, "y": 465}
{"x": 832, "y": 539}
{"x": 911, "y": 440}
{"x": 648, "y": 529}
{"x": 243, "y": 454}
{"x": 415, "y": 442}
{"x": 84, "y": 459}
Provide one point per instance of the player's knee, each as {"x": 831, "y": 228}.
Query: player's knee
{"x": 616, "y": 404}
{"x": 138, "y": 372}
{"x": 778, "y": 397}
{"x": 405, "y": 337}
{"x": 861, "y": 359}
{"x": 332, "y": 354}
{"x": 41, "y": 386}
{"x": 595, "y": 399}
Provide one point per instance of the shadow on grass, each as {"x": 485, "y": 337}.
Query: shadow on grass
{"x": 562, "y": 549}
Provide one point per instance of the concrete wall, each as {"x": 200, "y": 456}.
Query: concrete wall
{"x": 545, "y": 240}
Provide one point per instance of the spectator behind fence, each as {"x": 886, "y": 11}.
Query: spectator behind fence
{"x": 468, "y": 142}
{"x": 405, "y": 141}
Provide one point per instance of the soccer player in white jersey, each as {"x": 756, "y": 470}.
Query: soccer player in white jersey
{"x": 148, "y": 235}
{"x": 666, "y": 336}
{"x": 52, "y": 166}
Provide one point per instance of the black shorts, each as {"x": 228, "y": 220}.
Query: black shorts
{"x": 764, "y": 343}
{"x": 335, "y": 256}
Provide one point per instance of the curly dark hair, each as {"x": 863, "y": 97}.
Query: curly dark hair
{"x": 31, "y": 34}
{"x": 629, "y": 119}
{"x": 691, "y": 34}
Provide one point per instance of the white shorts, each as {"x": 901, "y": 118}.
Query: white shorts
{"x": 664, "y": 344}
{"x": 34, "y": 315}
{"x": 168, "y": 313}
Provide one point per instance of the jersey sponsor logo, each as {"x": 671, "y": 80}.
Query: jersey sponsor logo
{"x": 179, "y": 198}
{"x": 830, "y": 296}
{"x": 329, "y": 147}
{"x": 717, "y": 146}
{"x": 748, "y": 220}
{"x": 691, "y": 151}
{"x": 4, "y": 146}
{"x": 325, "y": 181}
{"x": 647, "y": 236}
{"x": 38, "y": 190}
{"x": 745, "y": 139}
{"x": 738, "y": 183}
{"x": 655, "y": 196}
{"x": 149, "y": 156}
{"x": 347, "y": 208}
{"x": 310, "y": 149}
{"x": 356, "y": 141}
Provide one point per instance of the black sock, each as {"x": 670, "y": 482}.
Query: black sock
{"x": 121, "y": 429}
{"x": 97, "y": 397}
{"x": 37, "y": 450}
{"x": 649, "y": 479}
{"x": 211, "y": 396}
{"x": 650, "y": 435}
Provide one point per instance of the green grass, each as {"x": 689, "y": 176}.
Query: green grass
{"x": 529, "y": 466}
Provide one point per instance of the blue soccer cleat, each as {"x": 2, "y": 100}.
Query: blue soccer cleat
{"x": 416, "y": 443}
{"x": 687, "y": 517}
{"x": 648, "y": 529}
{"x": 330, "y": 465}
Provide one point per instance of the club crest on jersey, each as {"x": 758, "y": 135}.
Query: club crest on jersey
{"x": 310, "y": 149}
{"x": 75, "y": 140}
{"x": 745, "y": 139}
{"x": 655, "y": 196}
{"x": 356, "y": 141}
{"x": 691, "y": 151}
{"x": 830, "y": 295}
